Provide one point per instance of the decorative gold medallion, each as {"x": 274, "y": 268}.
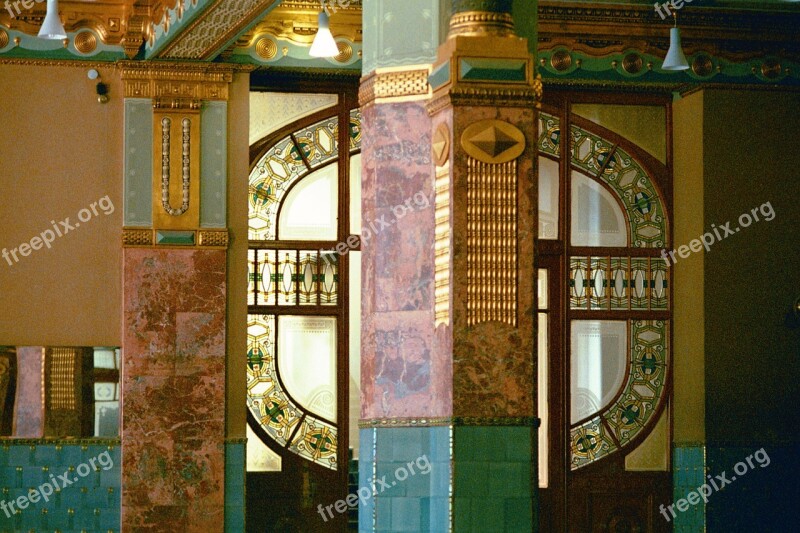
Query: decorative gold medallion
{"x": 266, "y": 48}
{"x": 493, "y": 141}
{"x": 632, "y": 63}
{"x": 345, "y": 52}
{"x": 85, "y": 42}
{"x": 3, "y": 38}
{"x": 441, "y": 145}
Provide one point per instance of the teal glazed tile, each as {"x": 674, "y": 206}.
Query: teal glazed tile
{"x": 406, "y": 514}
{"x": 234, "y": 518}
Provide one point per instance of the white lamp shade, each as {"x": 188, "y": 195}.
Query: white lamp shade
{"x": 324, "y": 45}
{"x": 675, "y": 59}
{"x": 52, "y": 27}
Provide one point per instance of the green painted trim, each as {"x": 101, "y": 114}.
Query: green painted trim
{"x": 138, "y": 163}
{"x": 175, "y": 238}
{"x": 588, "y": 68}
{"x": 440, "y": 76}
{"x": 476, "y": 69}
{"x": 214, "y": 165}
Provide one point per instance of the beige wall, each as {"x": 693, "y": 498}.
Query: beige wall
{"x": 687, "y": 274}
{"x": 60, "y": 151}
{"x": 238, "y": 176}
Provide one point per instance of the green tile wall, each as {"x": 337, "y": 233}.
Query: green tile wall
{"x": 91, "y": 504}
{"x": 493, "y": 478}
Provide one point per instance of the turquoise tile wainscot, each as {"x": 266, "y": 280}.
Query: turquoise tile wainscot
{"x": 91, "y": 502}
{"x": 463, "y": 468}
{"x": 235, "y": 467}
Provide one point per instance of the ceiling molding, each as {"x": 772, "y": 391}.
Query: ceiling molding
{"x": 731, "y": 34}
{"x": 210, "y": 32}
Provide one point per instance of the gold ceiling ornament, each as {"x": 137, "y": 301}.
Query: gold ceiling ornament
{"x": 85, "y": 42}
{"x": 561, "y": 60}
{"x": 702, "y": 65}
{"x": 345, "y": 52}
{"x": 266, "y": 48}
{"x": 139, "y": 29}
{"x": 394, "y": 85}
{"x": 204, "y": 37}
{"x": 193, "y": 81}
{"x": 297, "y": 22}
{"x": 441, "y": 145}
{"x": 632, "y": 63}
{"x": 493, "y": 141}
{"x": 771, "y": 68}
{"x": 3, "y": 38}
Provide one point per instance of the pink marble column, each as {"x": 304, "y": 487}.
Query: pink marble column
{"x": 401, "y": 377}
{"x": 29, "y": 406}
{"x": 173, "y": 390}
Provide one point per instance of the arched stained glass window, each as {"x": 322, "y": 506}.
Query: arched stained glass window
{"x": 297, "y": 349}
{"x": 617, "y": 285}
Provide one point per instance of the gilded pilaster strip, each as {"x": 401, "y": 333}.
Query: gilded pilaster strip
{"x": 491, "y": 242}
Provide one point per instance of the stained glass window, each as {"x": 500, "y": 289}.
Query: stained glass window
{"x": 617, "y": 284}
{"x": 295, "y": 262}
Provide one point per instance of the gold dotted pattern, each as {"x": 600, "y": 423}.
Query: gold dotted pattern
{"x": 217, "y": 239}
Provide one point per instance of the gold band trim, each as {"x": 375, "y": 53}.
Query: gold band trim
{"x": 395, "y": 84}
{"x": 139, "y": 237}
{"x": 482, "y": 23}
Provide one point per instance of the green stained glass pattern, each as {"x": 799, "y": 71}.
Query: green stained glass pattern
{"x": 591, "y": 153}
{"x": 270, "y": 179}
{"x": 644, "y": 390}
{"x": 578, "y": 283}
{"x": 635, "y": 407}
{"x": 614, "y": 166}
{"x": 619, "y": 288}
{"x": 549, "y": 134}
{"x": 280, "y": 417}
{"x": 589, "y": 442}
{"x": 619, "y": 283}
{"x": 266, "y": 399}
{"x": 355, "y": 130}
{"x": 293, "y": 277}
{"x": 659, "y": 284}
{"x": 639, "y": 283}
{"x": 316, "y": 441}
{"x": 598, "y": 282}
{"x": 319, "y": 142}
{"x": 290, "y": 159}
